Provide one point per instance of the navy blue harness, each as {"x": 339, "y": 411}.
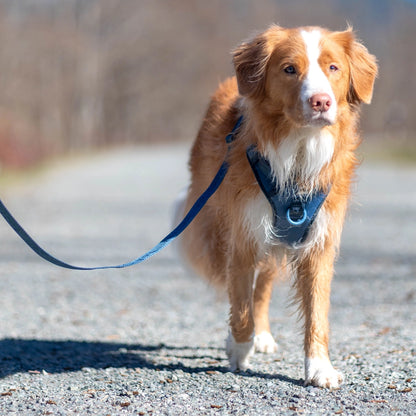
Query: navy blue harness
{"x": 293, "y": 213}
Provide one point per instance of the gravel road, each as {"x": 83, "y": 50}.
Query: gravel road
{"x": 149, "y": 340}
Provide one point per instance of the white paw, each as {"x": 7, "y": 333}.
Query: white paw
{"x": 320, "y": 373}
{"x": 239, "y": 353}
{"x": 264, "y": 342}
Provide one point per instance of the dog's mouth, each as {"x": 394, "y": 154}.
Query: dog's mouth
{"x": 303, "y": 118}
{"x": 320, "y": 119}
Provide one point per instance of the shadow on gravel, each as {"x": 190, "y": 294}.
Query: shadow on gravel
{"x": 20, "y": 356}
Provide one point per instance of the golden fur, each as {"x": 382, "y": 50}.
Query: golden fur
{"x": 224, "y": 243}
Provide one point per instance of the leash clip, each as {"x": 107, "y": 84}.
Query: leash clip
{"x": 230, "y": 137}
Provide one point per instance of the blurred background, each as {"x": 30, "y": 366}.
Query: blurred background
{"x": 77, "y": 75}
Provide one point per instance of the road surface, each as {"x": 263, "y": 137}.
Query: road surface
{"x": 150, "y": 339}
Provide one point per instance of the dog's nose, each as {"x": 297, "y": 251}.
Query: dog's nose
{"x": 320, "y": 102}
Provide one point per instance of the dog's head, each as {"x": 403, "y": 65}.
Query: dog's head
{"x": 306, "y": 74}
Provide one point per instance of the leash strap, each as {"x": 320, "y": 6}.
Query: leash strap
{"x": 192, "y": 213}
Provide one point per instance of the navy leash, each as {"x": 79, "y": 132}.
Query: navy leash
{"x": 192, "y": 213}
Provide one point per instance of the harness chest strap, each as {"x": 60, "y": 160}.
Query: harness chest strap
{"x": 293, "y": 213}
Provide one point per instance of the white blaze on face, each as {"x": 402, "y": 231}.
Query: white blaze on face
{"x": 316, "y": 81}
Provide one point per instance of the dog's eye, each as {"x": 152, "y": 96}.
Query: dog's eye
{"x": 290, "y": 69}
{"x": 333, "y": 68}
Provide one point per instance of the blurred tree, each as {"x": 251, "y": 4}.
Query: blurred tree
{"x": 79, "y": 74}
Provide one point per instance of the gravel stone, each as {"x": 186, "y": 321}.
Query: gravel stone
{"x": 149, "y": 340}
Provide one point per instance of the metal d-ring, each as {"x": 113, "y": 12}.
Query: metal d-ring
{"x": 296, "y": 213}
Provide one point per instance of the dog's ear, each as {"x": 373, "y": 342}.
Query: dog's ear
{"x": 250, "y": 62}
{"x": 363, "y": 69}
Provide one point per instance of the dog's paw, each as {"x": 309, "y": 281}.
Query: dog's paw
{"x": 239, "y": 353}
{"x": 320, "y": 373}
{"x": 264, "y": 342}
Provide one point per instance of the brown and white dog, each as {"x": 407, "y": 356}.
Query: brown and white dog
{"x": 298, "y": 91}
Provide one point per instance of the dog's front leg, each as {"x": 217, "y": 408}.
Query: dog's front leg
{"x": 240, "y": 342}
{"x": 265, "y": 273}
{"x": 313, "y": 285}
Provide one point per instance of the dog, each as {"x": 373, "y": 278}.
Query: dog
{"x": 294, "y": 103}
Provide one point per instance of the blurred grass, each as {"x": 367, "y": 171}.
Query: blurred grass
{"x": 15, "y": 177}
{"x": 397, "y": 150}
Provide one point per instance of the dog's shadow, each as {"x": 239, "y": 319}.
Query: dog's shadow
{"x": 54, "y": 357}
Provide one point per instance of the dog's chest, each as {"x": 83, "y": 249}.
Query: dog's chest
{"x": 300, "y": 158}
{"x": 294, "y": 166}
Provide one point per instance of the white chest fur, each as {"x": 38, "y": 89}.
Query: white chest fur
{"x": 301, "y": 156}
